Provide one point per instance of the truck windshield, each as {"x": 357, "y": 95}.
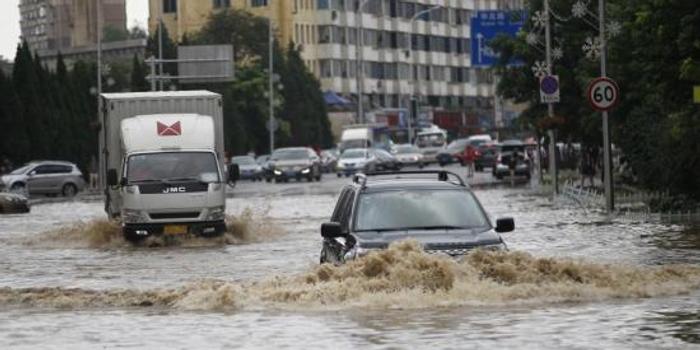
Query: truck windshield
{"x": 172, "y": 166}
{"x": 418, "y": 209}
{"x": 431, "y": 140}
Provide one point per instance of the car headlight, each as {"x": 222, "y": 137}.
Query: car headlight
{"x": 133, "y": 216}
{"x": 278, "y": 172}
{"x": 356, "y": 252}
{"x": 216, "y": 214}
{"x": 306, "y": 171}
{"x": 341, "y": 166}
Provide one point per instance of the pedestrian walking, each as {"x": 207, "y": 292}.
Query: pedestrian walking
{"x": 588, "y": 165}
{"x": 469, "y": 159}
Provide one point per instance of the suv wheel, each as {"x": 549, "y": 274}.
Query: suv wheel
{"x": 69, "y": 190}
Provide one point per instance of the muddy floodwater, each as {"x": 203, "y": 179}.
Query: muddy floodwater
{"x": 572, "y": 279}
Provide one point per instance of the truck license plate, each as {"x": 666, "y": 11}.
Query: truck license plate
{"x": 175, "y": 229}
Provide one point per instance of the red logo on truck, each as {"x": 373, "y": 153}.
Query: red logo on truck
{"x": 172, "y": 130}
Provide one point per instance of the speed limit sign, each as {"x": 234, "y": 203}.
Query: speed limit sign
{"x": 603, "y": 93}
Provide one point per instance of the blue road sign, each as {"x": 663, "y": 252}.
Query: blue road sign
{"x": 485, "y": 26}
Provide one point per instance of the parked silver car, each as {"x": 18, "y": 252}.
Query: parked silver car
{"x": 45, "y": 177}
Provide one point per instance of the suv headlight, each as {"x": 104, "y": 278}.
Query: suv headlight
{"x": 216, "y": 214}
{"x": 133, "y": 216}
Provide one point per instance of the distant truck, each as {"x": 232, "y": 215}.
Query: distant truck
{"x": 365, "y": 136}
{"x": 162, "y": 163}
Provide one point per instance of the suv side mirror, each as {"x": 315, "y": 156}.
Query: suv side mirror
{"x": 234, "y": 173}
{"x": 331, "y": 230}
{"x": 505, "y": 225}
{"x": 112, "y": 179}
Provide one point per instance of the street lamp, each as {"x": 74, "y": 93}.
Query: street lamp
{"x": 271, "y": 94}
{"x": 359, "y": 71}
{"x": 414, "y": 76}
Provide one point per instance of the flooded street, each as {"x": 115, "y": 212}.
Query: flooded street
{"x": 573, "y": 279}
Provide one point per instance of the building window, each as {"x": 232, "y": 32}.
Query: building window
{"x": 258, "y": 3}
{"x": 169, "y": 6}
{"x": 222, "y": 3}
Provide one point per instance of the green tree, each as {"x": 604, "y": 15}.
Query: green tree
{"x": 138, "y": 75}
{"x": 655, "y": 60}
{"x": 14, "y": 143}
{"x": 304, "y": 107}
{"x": 111, "y": 33}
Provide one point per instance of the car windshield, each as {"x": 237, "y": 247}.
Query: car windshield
{"x": 418, "y": 209}
{"x": 457, "y": 144}
{"x": 406, "y": 150}
{"x": 243, "y": 160}
{"x": 172, "y": 166}
{"x": 21, "y": 170}
{"x": 290, "y": 154}
{"x": 354, "y": 153}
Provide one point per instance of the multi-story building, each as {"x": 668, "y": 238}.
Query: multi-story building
{"x": 403, "y": 54}
{"x": 51, "y": 25}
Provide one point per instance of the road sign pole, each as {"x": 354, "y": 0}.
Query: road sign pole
{"x": 270, "y": 81}
{"x": 550, "y": 107}
{"x": 607, "y": 161}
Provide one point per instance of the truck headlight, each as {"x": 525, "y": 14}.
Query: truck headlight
{"x": 216, "y": 214}
{"x": 133, "y": 216}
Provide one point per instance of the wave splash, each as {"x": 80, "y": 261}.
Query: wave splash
{"x": 245, "y": 228}
{"x": 402, "y": 276}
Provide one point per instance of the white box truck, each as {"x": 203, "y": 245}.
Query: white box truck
{"x": 162, "y": 162}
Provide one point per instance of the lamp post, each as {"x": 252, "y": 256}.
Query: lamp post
{"x": 270, "y": 86}
{"x": 359, "y": 71}
{"x": 414, "y": 76}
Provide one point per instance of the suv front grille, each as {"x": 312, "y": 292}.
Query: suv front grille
{"x": 185, "y": 215}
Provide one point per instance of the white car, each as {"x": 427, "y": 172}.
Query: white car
{"x": 356, "y": 160}
{"x": 408, "y": 155}
{"x": 45, "y": 177}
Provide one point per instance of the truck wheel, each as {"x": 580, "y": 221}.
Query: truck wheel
{"x": 69, "y": 190}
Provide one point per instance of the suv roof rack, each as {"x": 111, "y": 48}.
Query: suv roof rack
{"x": 442, "y": 175}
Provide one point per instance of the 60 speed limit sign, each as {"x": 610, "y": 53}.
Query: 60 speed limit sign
{"x": 603, "y": 93}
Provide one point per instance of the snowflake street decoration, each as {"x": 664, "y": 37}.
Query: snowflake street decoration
{"x": 579, "y": 9}
{"x": 531, "y": 39}
{"x": 557, "y": 53}
{"x": 539, "y": 19}
{"x": 592, "y": 47}
{"x": 540, "y": 69}
{"x": 614, "y": 29}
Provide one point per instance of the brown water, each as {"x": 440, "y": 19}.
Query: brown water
{"x": 572, "y": 279}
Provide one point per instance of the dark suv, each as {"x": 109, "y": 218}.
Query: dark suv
{"x": 435, "y": 208}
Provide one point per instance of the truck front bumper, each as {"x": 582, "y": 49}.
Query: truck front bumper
{"x": 199, "y": 228}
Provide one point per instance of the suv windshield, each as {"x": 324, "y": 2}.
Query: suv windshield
{"x": 290, "y": 154}
{"x": 354, "y": 153}
{"x": 418, "y": 209}
{"x": 173, "y": 166}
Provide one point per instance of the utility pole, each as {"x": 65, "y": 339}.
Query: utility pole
{"x": 550, "y": 107}
{"x": 359, "y": 69}
{"x": 160, "y": 48}
{"x": 607, "y": 166}
{"x": 98, "y": 23}
{"x": 271, "y": 96}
